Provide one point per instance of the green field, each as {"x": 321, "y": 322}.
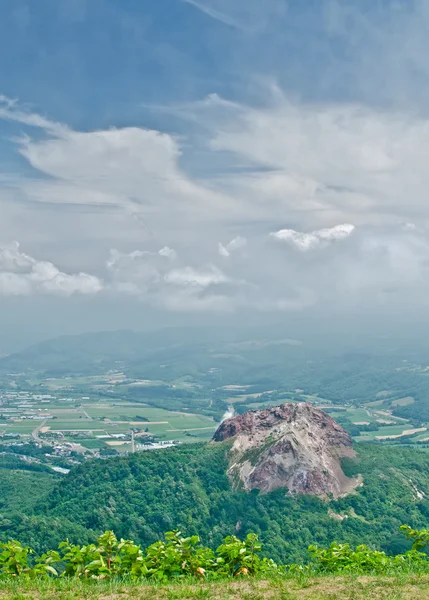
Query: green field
{"x": 20, "y": 427}
{"x": 77, "y": 406}
{"x": 75, "y": 425}
{"x": 360, "y": 415}
{"x": 403, "y": 401}
{"x": 92, "y": 444}
{"x": 109, "y": 418}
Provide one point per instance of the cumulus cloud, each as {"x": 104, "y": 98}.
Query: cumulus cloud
{"x": 366, "y": 266}
{"x": 138, "y": 272}
{"x": 168, "y": 252}
{"x": 131, "y": 168}
{"x": 320, "y": 238}
{"x": 203, "y": 278}
{"x": 23, "y": 275}
{"x": 236, "y": 244}
{"x": 375, "y": 268}
{"x": 154, "y": 278}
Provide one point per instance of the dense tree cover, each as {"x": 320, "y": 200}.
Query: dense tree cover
{"x": 18, "y": 485}
{"x": 417, "y": 413}
{"x": 11, "y": 462}
{"x": 143, "y": 495}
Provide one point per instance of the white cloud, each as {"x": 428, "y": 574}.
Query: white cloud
{"x": 10, "y": 110}
{"x": 380, "y": 268}
{"x": 236, "y": 244}
{"x": 317, "y": 164}
{"x": 131, "y": 168}
{"x": 250, "y": 16}
{"x": 215, "y": 14}
{"x": 151, "y": 277}
{"x": 137, "y": 272}
{"x": 358, "y": 267}
{"x": 316, "y": 239}
{"x": 23, "y": 275}
{"x": 203, "y": 278}
{"x": 323, "y": 163}
{"x": 168, "y": 252}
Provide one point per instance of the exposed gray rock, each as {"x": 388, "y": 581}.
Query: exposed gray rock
{"x": 293, "y": 446}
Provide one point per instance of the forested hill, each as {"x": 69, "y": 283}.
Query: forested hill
{"x": 143, "y": 495}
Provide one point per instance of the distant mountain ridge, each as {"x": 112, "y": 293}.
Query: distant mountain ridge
{"x": 207, "y": 357}
{"x": 339, "y": 369}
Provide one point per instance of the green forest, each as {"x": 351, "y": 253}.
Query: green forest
{"x": 141, "y": 496}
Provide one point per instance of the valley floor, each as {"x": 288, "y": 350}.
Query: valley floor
{"x": 323, "y": 588}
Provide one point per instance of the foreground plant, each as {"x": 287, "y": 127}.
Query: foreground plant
{"x": 182, "y": 557}
{"x": 15, "y": 561}
{"x": 342, "y": 558}
{"x": 109, "y": 558}
{"x": 178, "y": 556}
{"x": 236, "y": 557}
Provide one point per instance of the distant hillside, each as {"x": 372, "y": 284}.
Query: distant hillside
{"x": 85, "y": 353}
{"x": 339, "y": 369}
{"x": 177, "y": 350}
{"x": 143, "y": 495}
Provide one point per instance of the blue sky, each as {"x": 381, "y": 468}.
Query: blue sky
{"x": 97, "y": 63}
{"x": 94, "y": 63}
{"x": 189, "y": 160}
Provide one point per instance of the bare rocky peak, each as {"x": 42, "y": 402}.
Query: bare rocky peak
{"x": 293, "y": 446}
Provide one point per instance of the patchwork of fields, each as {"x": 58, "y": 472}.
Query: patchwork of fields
{"x": 97, "y": 413}
{"x": 95, "y": 424}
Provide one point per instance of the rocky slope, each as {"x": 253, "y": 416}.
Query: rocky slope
{"x": 293, "y": 446}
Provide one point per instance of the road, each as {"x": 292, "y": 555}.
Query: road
{"x": 35, "y": 432}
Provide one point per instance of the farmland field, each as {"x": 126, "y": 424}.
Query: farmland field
{"x": 102, "y": 413}
{"x": 92, "y": 422}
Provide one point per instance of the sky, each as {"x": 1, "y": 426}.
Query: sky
{"x": 211, "y": 161}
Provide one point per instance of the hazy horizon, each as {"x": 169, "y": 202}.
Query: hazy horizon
{"x": 371, "y": 333}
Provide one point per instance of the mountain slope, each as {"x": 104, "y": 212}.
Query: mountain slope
{"x": 143, "y": 495}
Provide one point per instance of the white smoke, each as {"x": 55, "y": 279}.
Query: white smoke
{"x": 229, "y": 413}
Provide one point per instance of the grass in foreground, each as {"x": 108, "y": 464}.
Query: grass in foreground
{"x": 407, "y": 587}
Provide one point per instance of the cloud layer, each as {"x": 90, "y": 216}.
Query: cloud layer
{"x": 320, "y": 238}
{"x": 316, "y": 207}
{"x": 23, "y": 275}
